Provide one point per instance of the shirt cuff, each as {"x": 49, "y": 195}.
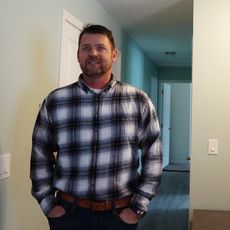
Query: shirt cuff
{"x": 139, "y": 202}
{"x": 48, "y": 203}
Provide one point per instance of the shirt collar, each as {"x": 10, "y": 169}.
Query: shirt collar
{"x": 87, "y": 89}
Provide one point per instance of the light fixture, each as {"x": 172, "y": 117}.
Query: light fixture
{"x": 171, "y": 53}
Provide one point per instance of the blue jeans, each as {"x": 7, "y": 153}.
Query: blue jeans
{"x": 77, "y": 218}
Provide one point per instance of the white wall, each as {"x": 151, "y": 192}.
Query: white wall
{"x": 210, "y": 183}
{"x": 29, "y": 59}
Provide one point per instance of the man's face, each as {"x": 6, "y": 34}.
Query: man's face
{"x": 96, "y": 55}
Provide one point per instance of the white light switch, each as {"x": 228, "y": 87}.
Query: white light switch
{"x": 4, "y": 166}
{"x": 213, "y": 146}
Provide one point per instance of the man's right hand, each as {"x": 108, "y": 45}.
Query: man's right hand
{"x": 56, "y": 212}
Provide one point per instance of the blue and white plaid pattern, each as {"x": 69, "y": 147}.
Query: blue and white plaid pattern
{"x": 96, "y": 138}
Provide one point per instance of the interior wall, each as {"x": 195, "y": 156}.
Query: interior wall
{"x": 138, "y": 69}
{"x": 29, "y": 64}
{"x": 209, "y": 182}
{"x": 182, "y": 74}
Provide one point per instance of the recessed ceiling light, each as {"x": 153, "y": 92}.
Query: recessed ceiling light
{"x": 170, "y": 53}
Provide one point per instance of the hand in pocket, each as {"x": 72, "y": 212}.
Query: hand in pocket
{"x": 56, "y": 212}
{"x": 128, "y": 216}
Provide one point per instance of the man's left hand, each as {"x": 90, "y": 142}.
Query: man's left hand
{"x": 129, "y": 216}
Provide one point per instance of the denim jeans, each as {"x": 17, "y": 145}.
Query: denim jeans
{"x": 77, "y": 218}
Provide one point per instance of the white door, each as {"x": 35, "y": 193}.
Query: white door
{"x": 166, "y": 122}
{"x": 69, "y": 68}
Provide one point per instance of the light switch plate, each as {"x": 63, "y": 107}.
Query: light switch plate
{"x": 5, "y": 165}
{"x": 213, "y": 146}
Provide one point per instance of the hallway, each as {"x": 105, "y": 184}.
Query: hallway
{"x": 169, "y": 209}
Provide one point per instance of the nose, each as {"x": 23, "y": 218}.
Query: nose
{"x": 92, "y": 52}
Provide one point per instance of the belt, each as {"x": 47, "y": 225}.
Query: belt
{"x": 95, "y": 205}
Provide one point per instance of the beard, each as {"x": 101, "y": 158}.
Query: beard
{"x": 95, "y": 68}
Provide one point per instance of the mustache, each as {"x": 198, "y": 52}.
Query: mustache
{"x": 93, "y": 59}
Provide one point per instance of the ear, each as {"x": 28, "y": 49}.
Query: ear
{"x": 115, "y": 54}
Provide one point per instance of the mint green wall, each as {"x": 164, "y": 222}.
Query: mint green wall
{"x": 138, "y": 69}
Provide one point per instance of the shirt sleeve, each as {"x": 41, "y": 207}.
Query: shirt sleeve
{"x": 42, "y": 160}
{"x": 151, "y": 158}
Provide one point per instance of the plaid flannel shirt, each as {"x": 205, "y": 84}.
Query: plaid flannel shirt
{"x": 87, "y": 144}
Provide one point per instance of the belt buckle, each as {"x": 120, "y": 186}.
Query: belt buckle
{"x": 93, "y": 206}
{"x": 108, "y": 205}
{"x": 100, "y": 206}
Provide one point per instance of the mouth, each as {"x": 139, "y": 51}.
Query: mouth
{"x": 93, "y": 62}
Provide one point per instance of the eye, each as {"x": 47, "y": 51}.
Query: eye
{"x": 85, "y": 48}
{"x": 101, "y": 48}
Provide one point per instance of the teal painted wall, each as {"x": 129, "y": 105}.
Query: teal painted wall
{"x": 175, "y": 73}
{"x": 138, "y": 69}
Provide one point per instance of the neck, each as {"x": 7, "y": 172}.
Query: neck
{"x": 97, "y": 82}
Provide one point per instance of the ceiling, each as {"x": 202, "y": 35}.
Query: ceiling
{"x": 157, "y": 26}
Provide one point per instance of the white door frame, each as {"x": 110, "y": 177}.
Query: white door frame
{"x": 67, "y": 20}
{"x": 166, "y": 106}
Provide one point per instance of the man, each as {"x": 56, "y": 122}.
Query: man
{"x": 84, "y": 163}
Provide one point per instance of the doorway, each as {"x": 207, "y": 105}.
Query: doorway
{"x": 69, "y": 68}
{"x": 175, "y": 121}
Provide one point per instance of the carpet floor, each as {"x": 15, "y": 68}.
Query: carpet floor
{"x": 169, "y": 209}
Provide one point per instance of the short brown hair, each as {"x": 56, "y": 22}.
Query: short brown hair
{"x": 97, "y": 29}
